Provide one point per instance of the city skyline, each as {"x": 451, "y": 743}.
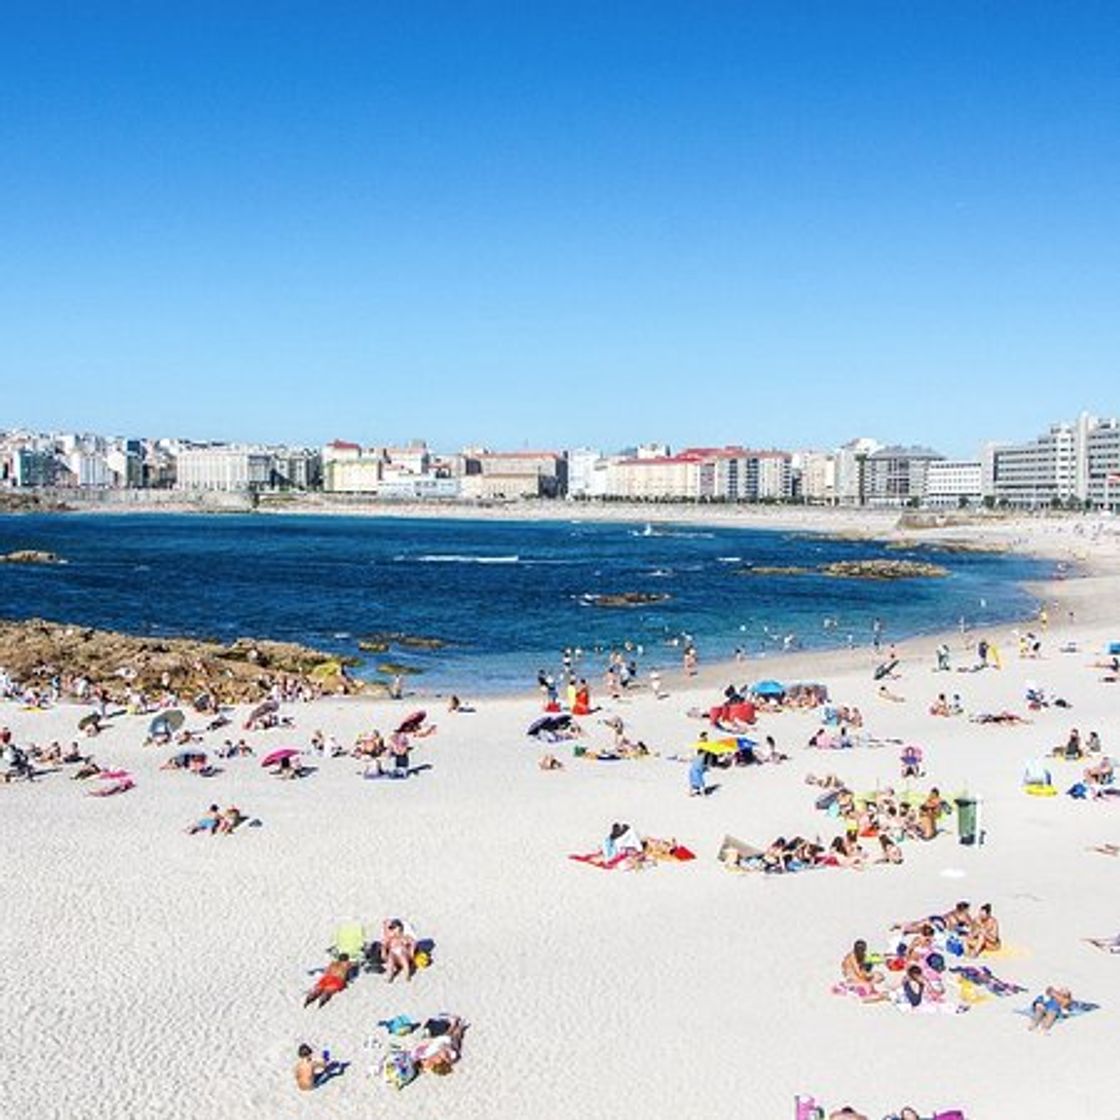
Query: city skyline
{"x": 685, "y": 224}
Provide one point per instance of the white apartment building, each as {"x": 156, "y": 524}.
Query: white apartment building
{"x": 816, "y": 476}
{"x": 1070, "y": 462}
{"x": 89, "y": 469}
{"x": 772, "y": 476}
{"x": 357, "y": 475}
{"x": 952, "y": 483}
{"x": 588, "y": 472}
{"x": 657, "y": 478}
{"x": 228, "y": 467}
{"x": 851, "y": 460}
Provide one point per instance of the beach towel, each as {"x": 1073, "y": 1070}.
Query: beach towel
{"x": 595, "y": 859}
{"x": 982, "y": 977}
{"x": 398, "y": 1069}
{"x": 398, "y": 1025}
{"x": 1106, "y": 944}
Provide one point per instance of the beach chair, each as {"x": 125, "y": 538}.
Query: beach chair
{"x": 350, "y": 938}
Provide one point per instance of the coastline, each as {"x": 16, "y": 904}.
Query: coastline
{"x": 1092, "y": 557}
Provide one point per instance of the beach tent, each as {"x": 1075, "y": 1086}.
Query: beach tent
{"x": 167, "y": 723}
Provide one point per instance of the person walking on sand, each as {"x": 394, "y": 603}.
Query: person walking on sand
{"x": 696, "y": 772}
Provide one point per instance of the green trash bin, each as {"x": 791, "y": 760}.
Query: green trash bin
{"x": 966, "y": 819}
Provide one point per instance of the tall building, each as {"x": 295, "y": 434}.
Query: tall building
{"x": 814, "y": 477}
{"x": 1068, "y": 463}
{"x": 588, "y": 471}
{"x": 896, "y": 476}
{"x": 851, "y": 470}
{"x": 227, "y": 467}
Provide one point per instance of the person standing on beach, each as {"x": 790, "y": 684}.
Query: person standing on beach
{"x": 696, "y": 772}
{"x": 877, "y": 634}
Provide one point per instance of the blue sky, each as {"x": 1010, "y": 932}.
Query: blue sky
{"x": 778, "y": 224}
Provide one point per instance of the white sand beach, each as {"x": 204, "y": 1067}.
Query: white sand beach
{"x": 150, "y": 973}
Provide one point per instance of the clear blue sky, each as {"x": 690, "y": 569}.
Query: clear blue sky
{"x": 565, "y": 223}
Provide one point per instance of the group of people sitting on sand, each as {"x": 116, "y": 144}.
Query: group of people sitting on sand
{"x": 943, "y": 706}
{"x": 27, "y": 763}
{"x": 883, "y": 813}
{"x": 1074, "y": 749}
{"x": 911, "y": 974}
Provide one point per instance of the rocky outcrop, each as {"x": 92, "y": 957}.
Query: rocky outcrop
{"x": 626, "y": 599}
{"x": 34, "y": 651}
{"x": 380, "y": 640}
{"x": 31, "y": 556}
{"x": 883, "y": 569}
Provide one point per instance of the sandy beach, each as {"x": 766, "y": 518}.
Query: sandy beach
{"x": 151, "y": 973}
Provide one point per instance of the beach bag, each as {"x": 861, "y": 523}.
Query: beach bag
{"x": 806, "y": 1108}
{"x": 955, "y": 946}
{"x": 1079, "y": 791}
{"x": 398, "y": 1069}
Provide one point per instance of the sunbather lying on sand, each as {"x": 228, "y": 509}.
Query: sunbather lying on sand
{"x": 957, "y": 920}
{"x": 998, "y": 717}
{"x": 335, "y": 977}
{"x": 886, "y": 694}
{"x": 208, "y": 822}
{"x": 1049, "y": 1007}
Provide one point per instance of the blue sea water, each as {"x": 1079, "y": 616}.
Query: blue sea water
{"x": 508, "y": 596}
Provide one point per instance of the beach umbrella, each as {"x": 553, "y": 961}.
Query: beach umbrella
{"x": 768, "y": 688}
{"x": 92, "y": 720}
{"x": 412, "y": 722}
{"x": 279, "y": 756}
{"x": 886, "y": 669}
{"x": 262, "y": 710}
{"x": 175, "y": 719}
{"x": 548, "y": 723}
{"x": 716, "y": 746}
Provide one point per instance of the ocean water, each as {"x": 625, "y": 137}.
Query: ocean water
{"x": 506, "y": 596}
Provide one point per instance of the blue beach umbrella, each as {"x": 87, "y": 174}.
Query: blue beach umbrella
{"x": 768, "y": 688}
